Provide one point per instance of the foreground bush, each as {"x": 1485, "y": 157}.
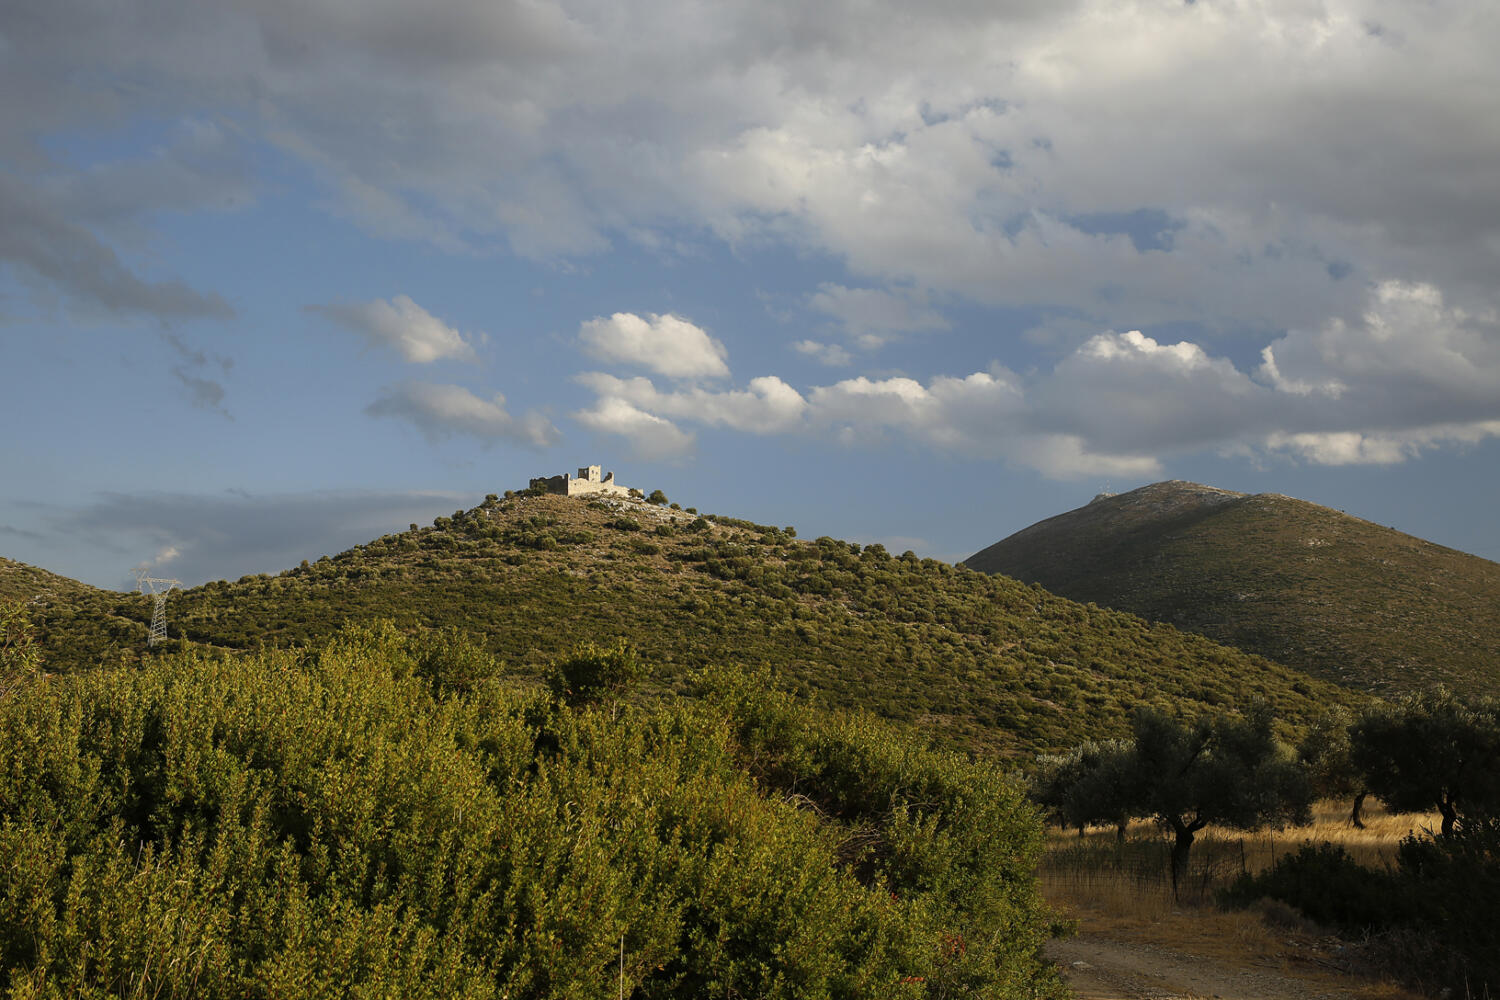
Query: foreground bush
{"x": 340, "y": 825}
{"x": 1327, "y": 885}
{"x": 1436, "y": 915}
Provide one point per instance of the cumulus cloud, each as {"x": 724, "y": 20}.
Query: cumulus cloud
{"x": 1388, "y": 448}
{"x": 651, "y": 437}
{"x": 167, "y": 554}
{"x": 1127, "y": 392}
{"x": 666, "y": 344}
{"x": 1411, "y": 374}
{"x": 1007, "y": 154}
{"x": 767, "y": 405}
{"x": 420, "y": 337}
{"x": 440, "y": 411}
{"x": 1409, "y": 351}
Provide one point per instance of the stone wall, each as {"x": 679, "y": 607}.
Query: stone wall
{"x": 589, "y": 480}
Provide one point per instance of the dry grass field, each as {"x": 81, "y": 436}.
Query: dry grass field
{"x": 1122, "y": 895}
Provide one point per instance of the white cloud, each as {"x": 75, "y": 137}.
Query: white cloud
{"x": 1430, "y": 358}
{"x": 1412, "y": 374}
{"x": 402, "y": 325}
{"x": 439, "y": 411}
{"x": 1270, "y": 373}
{"x": 971, "y": 149}
{"x": 831, "y": 355}
{"x": 666, "y": 344}
{"x": 1125, "y": 392}
{"x": 164, "y": 555}
{"x": 766, "y": 406}
{"x": 1357, "y": 448}
{"x": 650, "y": 437}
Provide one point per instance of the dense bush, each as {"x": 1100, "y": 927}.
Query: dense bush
{"x": 20, "y": 652}
{"x": 1329, "y": 886}
{"x": 1456, "y": 881}
{"x": 353, "y": 822}
{"x": 1435, "y": 916}
{"x": 594, "y": 673}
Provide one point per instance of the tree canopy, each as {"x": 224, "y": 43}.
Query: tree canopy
{"x": 1432, "y": 750}
{"x": 1225, "y": 770}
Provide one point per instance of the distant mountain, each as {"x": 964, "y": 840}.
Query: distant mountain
{"x": 977, "y": 662}
{"x": 1311, "y": 587}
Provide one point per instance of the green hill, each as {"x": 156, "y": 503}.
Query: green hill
{"x": 976, "y": 662}
{"x": 20, "y": 582}
{"x": 1342, "y": 598}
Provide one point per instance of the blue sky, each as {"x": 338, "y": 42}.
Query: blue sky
{"x": 278, "y": 278}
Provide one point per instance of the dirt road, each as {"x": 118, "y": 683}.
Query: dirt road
{"x": 1102, "y": 969}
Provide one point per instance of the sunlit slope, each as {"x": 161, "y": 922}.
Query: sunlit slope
{"x": 1312, "y": 587}
{"x": 21, "y": 582}
{"x": 978, "y": 662}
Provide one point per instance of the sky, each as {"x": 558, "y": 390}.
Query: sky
{"x": 280, "y": 277}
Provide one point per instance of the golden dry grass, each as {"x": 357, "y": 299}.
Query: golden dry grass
{"x": 1124, "y": 893}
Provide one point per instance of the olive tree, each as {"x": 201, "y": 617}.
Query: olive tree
{"x": 1327, "y": 754}
{"x": 1087, "y": 786}
{"x": 1433, "y": 750}
{"x": 1229, "y": 771}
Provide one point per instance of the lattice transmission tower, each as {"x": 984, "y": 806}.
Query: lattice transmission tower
{"x": 158, "y": 589}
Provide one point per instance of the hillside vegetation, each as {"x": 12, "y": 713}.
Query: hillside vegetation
{"x": 345, "y": 822}
{"x": 977, "y": 662}
{"x": 1315, "y": 588}
{"x": 20, "y": 582}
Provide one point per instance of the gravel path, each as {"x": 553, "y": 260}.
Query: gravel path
{"x": 1102, "y": 969}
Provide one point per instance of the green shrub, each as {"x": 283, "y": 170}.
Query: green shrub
{"x": 593, "y": 673}
{"x": 321, "y": 824}
{"x": 1328, "y": 886}
{"x": 452, "y": 659}
{"x": 20, "y": 653}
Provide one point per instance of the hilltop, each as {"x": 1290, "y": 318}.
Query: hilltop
{"x": 1312, "y": 587}
{"x": 20, "y": 582}
{"x": 976, "y": 662}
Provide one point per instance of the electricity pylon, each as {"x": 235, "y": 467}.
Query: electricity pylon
{"x": 158, "y": 589}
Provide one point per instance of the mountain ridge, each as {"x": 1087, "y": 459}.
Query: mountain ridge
{"x": 1334, "y": 594}
{"x": 976, "y": 662}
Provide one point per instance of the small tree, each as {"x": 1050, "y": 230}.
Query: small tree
{"x": 452, "y": 659}
{"x": 657, "y": 497}
{"x": 1432, "y": 750}
{"x": 1326, "y": 753}
{"x": 593, "y": 673}
{"x": 1087, "y": 786}
{"x": 1228, "y": 771}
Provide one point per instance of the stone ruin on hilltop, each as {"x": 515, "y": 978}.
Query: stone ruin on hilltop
{"x": 588, "y": 480}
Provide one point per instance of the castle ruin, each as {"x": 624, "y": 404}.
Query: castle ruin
{"x": 588, "y": 480}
